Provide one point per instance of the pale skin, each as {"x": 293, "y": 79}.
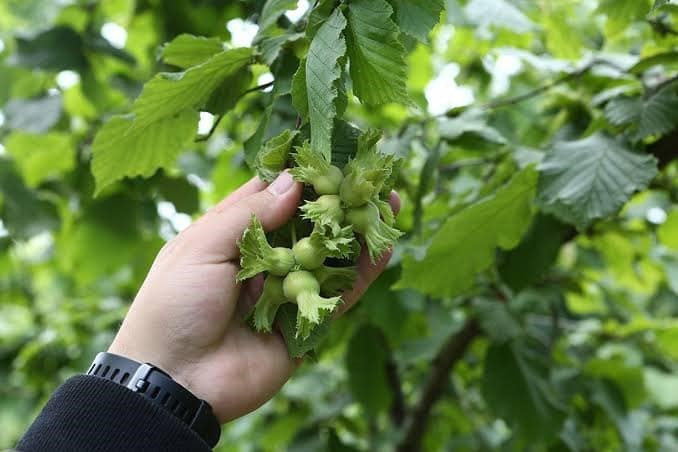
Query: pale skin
{"x": 188, "y": 318}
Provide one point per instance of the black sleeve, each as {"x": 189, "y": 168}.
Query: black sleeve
{"x": 91, "y": 414}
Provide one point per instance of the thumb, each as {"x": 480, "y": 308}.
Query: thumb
{"x": 217, "y": 233}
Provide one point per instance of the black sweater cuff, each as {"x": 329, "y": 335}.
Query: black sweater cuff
{"x": 88, "y": 413}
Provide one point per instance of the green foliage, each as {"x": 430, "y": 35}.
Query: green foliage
{"x": 499, "y": 221}
{"x": 376, "y": 54}
{"x": 591, "y": 178}
{"x": 321, "y": 73}
{"x": 530, "y": 303}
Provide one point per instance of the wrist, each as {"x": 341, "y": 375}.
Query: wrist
{"x": 157, "y": 387}
{"x": 161, "y": 359}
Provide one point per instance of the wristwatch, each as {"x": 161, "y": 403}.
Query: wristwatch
{"x": 158, "y": 387}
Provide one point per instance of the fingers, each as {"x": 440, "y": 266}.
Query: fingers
{"x": 215, "y": 236}
{"x": 368, "y": 271}
{"x": 252, "y": 186}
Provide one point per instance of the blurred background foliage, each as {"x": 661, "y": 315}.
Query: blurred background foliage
{"x": 567, "y": 341}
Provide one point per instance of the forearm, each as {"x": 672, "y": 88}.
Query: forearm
{"x": 93, "y": 414}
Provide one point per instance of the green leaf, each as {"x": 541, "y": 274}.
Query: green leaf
{"x": 466, "y": 243}
{"x": 170, "y": 93}
{"x": 33, "y": 115}
{"x": 620, "y": 13}
{"x": 497, "y": 321}
{"x": 659, "y": 4}
{"x": 516, "y": 389}
{"x": 23, "y": 211}
{"x": 628, "y": 377}
{"x": 271, "y": 44}
{"x": 121, "y": 150}
{"x": 108, "y": 228}
{"x": 366, "y": 360}
{"x": 273, "y": 157}
{"x": 323, "y": 68}
{"x": 41, "y": 157}
{"x": 180, "y": 192}
{"x": 417, "y": 17}
{"x": 272, "y": 10}
{"x": 654, "y": 116}
{"x": 378, "y": 68}
{"x": 662, "y": 388}
{"x": 588, "y": 179}
{"x": 57, "y": 49}
{"x": 498, "y": 13}
{"x": 187, "y": 50}
{"x": 267, "y": 305}
{"x": 312, "y": 311}
{"x": 532, "y": 259}
{"x": 669, "y": 59}
{"x": 298, "y": 346}
{"x": 318, "y": 15}
{"x": 668, "y": 231}
{"x": 344, "y": 142}
{"x": 231, "y": 90}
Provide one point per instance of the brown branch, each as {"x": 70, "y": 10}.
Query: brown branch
{"x": 449, "y": 354}
{"x": 398, "y": 403}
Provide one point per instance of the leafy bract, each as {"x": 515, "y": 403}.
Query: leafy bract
{"x": 298, "y": 346}
{"x": 377, "y": 56}
{"x": 417, "y": 17}
{"x": 466, "y": 243}
{"x": 313, "y": 310}
{"x": 267, "y": 305}
{"x": 119, "y": 150}
{"x": 187, "y": 50}
{"x": 310, "y": 164}
{"x": 169, "y": 93}
{"x": 335, "y": 280}
{"x": 255, "y": 252}
{"x": 367, "y": 172}
{"x": 273, "y": 157}
{"x": 322, "y": 70}
{"x": 588, "y": 179}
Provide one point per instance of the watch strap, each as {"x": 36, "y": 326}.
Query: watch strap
{"x": 158, "y": 387}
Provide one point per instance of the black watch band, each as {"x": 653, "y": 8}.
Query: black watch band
{"x": 158, "y": 387}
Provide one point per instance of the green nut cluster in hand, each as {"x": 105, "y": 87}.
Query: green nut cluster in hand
{"x": 348, "y": 202}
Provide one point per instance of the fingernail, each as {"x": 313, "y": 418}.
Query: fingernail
{"x": 281, "y": 184}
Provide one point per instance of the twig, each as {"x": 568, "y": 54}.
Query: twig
{"x": 505, "y": 102}
{"x": 424, "y": 185}
{"x": 456, "y": 166}
{"x": 450, "y": 353}
{"x": 398, "y": 408}
{"x": 209, "y": 134}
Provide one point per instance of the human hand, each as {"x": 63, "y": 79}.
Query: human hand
{"x": 186, "y": 317}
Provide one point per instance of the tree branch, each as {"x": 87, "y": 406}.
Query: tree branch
{"x": 505, "y": 102}
{"x": 216, "y": 123}
{"x": 448, "y": 355}
{"x": 398, "y": 404}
